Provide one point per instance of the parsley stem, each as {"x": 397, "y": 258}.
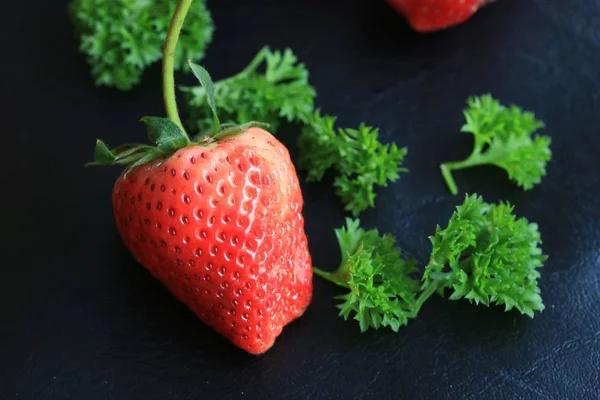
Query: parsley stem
{"x": 332, "y": 277}
{"x": 249, "y": 69}
{"x": 256, "y": 61}
{"x": 447, "y": 174}
{"x": 438, "y": 280}
{"x": 447, "y": 168}
{"x": 423, "y": 297}
{"x": 169, "y": 62}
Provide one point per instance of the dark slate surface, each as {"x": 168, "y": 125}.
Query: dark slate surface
{"x": 81, "y": 320}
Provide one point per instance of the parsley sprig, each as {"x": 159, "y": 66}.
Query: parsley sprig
{"x": 273, "y": 86}
{"x": 121, "y": 38}
{"x": 382, "y": 291}
{"x": 504, "y": 137}
{"x": 485, "y": 255}
{"x": 360, "y": 160}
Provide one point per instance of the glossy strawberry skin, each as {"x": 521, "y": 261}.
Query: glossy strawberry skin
{"x": 434, "y": 15}
{"x": 221, "y": 227}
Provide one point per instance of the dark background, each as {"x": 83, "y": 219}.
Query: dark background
{"x": 79, "y": 319}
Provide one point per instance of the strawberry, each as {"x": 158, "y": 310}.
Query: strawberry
{"x": 433, "y": 15}
{"x": 216, "y": 218}
{"x": 221, "y": 227}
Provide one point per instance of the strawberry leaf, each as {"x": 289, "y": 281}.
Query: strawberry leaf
{"x": 102, "y": 154}
{"x": 120, "y": 155}
{"x": 207, "y": 83}
{"x": 123, "y": 155}
{"x": 233, "y": 129}
{"x": 165, "y": 133}
{"x": 150, "y": 155}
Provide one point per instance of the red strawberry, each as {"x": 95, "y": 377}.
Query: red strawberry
{"x": 216, "y": 218}
{"x": 221, "y": 226}
{"x": 433, "y": 15}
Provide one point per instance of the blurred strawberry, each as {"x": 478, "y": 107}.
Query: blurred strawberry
{"x": 434, "y": 15}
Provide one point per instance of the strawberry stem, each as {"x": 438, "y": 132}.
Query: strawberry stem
{"x": 169, "y": 61}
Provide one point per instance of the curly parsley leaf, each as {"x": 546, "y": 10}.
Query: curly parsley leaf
{"x": 319, "y": 148}
{"x": 272, "y": 87}
{"x": 360, "y": 160}
{"x": 381, "y": 290}
{"x": 504, "y": 137}
{"x": 485, "y": 255}
{"x": 121, "y": 38}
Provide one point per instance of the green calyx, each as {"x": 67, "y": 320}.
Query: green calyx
{"x": 168, "y": 134}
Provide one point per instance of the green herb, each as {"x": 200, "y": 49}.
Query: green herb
{"x": 360, "y": 160}
{"x": 504, "y": 138}
{"x": 272, "y": 87}
{"x": 485, "y": 255}
{"x": 382, "y": 293}
{"x": 121, "y": 38}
